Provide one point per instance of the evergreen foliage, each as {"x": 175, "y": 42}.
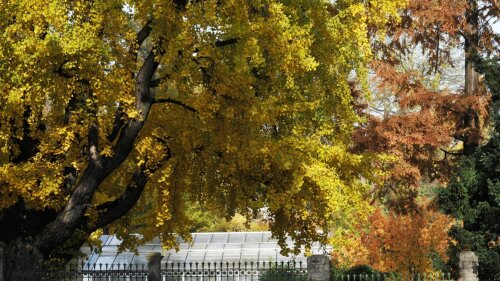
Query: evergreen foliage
{"x": 473, "y": 195}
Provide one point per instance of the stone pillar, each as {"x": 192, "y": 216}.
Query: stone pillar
{"x": 154, "y": 266}
{"x": 468, "y": 266}
{"x": 318, "y": 268}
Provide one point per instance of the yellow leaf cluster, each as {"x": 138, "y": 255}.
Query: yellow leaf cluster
{"x": 269, "y": 82}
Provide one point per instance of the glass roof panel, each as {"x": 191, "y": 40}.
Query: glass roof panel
{"x": 231, "y": 255}
{"x": 232, "y": 246}
{"x": 202, "y": 238}
{"x": 268, "y": 245}
{"x": 254, "y": 237}
{"x": 249, "y": 255}
{"x": 236, "y": 237}
{"x": 250, "y": 245}
{"x": 220, "y": 237}
{"x": 178, "y": 256}
{"x": 105, "y": 238}
{"x": 140, "y": 259}
{"x": 113, "y": 241}
{"x": 213, "y": 256}
{"x": 195, "y": 256}
{"x": 146, "y": 248}
{"x": 219, "y": 246}
{"x": 266, "y": 237}
{"x": 124, "y": 258}
{"x": 206, "y": 247}
{"x": 92, "y": 259}
{"x": 198, "y": 246}
{"x": 267, "y": 255}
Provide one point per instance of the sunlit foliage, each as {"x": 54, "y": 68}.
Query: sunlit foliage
{"x": 239, "y": 105}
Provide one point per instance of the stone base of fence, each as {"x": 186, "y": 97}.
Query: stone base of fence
{"x": 318, "y": 268}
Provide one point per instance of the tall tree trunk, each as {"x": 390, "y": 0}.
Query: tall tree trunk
{"x": 23, "y": 261}
{"x": 471, "y": 44}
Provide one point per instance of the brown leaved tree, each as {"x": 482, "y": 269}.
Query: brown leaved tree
{"x": 425, "y": 125}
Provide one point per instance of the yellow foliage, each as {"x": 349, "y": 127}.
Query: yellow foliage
{"x": 273, "y": 110}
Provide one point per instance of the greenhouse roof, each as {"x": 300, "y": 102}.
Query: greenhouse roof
{"x": 205, "y": 247}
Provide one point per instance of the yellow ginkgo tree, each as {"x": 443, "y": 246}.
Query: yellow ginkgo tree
{"x": 116, "y": 113}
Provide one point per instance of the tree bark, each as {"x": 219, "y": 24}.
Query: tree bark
{"x": 471, "y": 44}
{"x": 23, "y": 261}
{"x": 28, "y": 252}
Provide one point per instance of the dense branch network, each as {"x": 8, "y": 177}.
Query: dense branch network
{"x": 68, "y": 220}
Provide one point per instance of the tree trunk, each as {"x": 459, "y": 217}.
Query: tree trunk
{"x": 471, "y": 118}
{"x": 23, "y": 261}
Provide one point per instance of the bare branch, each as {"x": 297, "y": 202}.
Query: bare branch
{"x": 169, "y": 100}
{"x": 450, "y": 153}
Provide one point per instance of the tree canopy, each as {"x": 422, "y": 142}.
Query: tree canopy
{"x": 111, "y": 106}
{"x": 417, "y": 114}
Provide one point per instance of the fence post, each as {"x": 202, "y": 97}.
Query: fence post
{"x": 468, "y": 266}
{"x": 154, "y": 266}
{"x": 2, "y": 262}
{"x": 318, "y": 268}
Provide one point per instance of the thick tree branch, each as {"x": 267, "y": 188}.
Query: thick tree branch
{"x": 69, "y": 219}
{"x": 169, "y": 100}
{"x": 222, "y": 43}
{"x": 60, "y": 70}
{"x": 93, "y": 130}
{"x": 144, "y": 100}
{"x": 113, "y": 210}
{"x": 143, "y": 34}
{"x": 119, "y": 121}
{"x": 93, "y": 150}
{"x": 118, "y": 124}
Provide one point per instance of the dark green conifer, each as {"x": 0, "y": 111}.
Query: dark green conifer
{"x": 473, "y": 194}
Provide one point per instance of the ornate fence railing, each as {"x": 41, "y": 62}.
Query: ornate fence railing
{"x": 235, "y": 271}
{"x": 86, "y": 272}
{"x": 210, "y": 271}
{"x": 392, "y": 277}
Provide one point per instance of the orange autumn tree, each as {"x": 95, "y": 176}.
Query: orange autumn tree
{"x": 403, "y": 244}
{"x": 422, "y": 117}
{"x": 418, "y": 113}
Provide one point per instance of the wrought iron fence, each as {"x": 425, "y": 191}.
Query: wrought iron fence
{"x": 235, "y": 271}
{"x": 392, "y": 277}
{"x": 206, "y": 271}
{"x": 273, "y": 271}
{"x": 86, "y": 272}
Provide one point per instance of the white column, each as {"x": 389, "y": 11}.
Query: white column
{"x": 468, "y": 266}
